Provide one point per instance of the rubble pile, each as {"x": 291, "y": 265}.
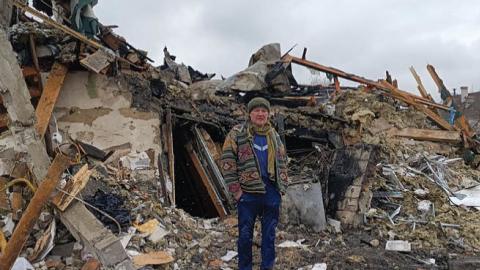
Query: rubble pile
{"x": 131, "y": 152}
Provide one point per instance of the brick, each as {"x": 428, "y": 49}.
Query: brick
{"x": 353, "y": 191}
{"x": 348, "y": 204}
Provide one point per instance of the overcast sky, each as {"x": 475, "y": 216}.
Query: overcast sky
{"x": 361, "y": 37}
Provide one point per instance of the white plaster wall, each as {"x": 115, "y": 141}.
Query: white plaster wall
{"x": 116, "y": 125}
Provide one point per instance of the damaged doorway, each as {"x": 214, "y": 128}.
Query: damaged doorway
{"x": 199, "y": 187}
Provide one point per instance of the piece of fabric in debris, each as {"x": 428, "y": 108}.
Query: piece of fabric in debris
{"x": 83, "y": 19}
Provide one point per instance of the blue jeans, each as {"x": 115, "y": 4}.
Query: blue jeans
{"x": 267, "y": 207}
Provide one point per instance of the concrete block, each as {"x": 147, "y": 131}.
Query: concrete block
{"x": 337, "y": 225}
{"x": 306, "y": 206}
{"x": 398, "y": 245}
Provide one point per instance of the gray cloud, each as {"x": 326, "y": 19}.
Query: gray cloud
{"x": 361, "y": 37}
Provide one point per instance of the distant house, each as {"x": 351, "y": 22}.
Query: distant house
{"x": 469, "y": 105}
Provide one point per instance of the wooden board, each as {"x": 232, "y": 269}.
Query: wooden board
{"x": 49, "y": 97}
{"x": 429, "y": 135}
{"x": 153, "y": 258}
{"x": 73, "y": 187}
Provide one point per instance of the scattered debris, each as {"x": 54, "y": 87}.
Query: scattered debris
{"x": 373, "y": 162}
{"x": 229, "y": 256}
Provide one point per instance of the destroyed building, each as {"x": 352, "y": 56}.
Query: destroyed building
{"x": 109, "y": 161}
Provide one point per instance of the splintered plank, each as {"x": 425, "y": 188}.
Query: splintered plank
{"x": 206, "y": 182}
{"x": 421, "y": 88}
{"x": 73, "y": 187}
{"x": 430, "y": 135}
{"x": 29, "y": 218}
{"x": 153, "y": 258}
{"x": 49, "y": 97}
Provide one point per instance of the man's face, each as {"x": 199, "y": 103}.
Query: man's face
{"x": 259, "y": 116}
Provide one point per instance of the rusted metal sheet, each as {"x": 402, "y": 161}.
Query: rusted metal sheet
{"x": 49, "y": 97}
{"x": 38, "y": 201}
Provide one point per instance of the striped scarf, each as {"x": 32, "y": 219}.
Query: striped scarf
{"x": 266, "y": 130}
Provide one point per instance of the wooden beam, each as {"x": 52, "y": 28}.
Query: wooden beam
{"x": 436, "y": 78}
{"x": 49, "y": 97}
{"x": 421, "y": 88}
{"x": 345, "y": 75}
{"x": 217, "y": 202}
{"x": 387, "y": 89}
{"x": 429, "y": 135}
{"x": 38, "y": 201}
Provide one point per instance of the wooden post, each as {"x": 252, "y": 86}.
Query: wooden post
{"x": 337, "y": 86}
{"x": 171, "y": 156}
{"x": 33, "y": 50}
{"x": 26, "y": 223}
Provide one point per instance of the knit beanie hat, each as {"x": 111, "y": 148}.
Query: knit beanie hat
{"x": 258, "y": 102}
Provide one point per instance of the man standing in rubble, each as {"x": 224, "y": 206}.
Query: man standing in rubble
{"x": 254, "y": 164}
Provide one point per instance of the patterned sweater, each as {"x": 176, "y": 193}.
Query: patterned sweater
{"x": 240, "y": 167}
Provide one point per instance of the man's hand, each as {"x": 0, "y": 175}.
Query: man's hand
{"x": 237, "y": 195}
